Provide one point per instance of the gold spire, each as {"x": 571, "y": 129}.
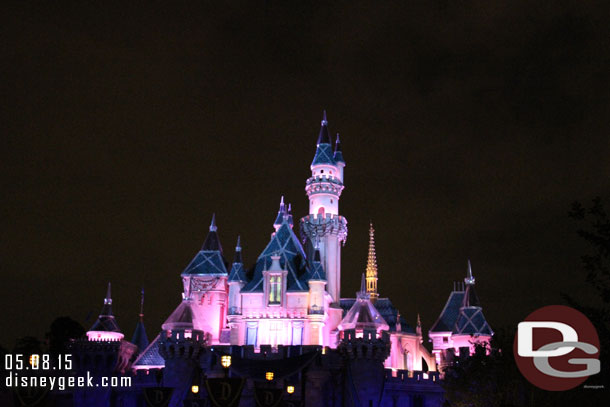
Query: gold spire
{"x": 371, "y": 267}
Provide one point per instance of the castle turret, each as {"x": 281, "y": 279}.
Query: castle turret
{"x": 324, "y": 226}
{"x": 205, "y": 282}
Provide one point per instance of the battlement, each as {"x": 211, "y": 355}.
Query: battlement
{"x": 412, "y": 377}
{"x": 322, "y": 225}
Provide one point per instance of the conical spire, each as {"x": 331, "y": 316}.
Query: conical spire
{"x": 371, "y": 266}
{"x": 363, "y": 314}
{"x": 237, "y": 269}
{"x": 338, "y": 155}
{"x": 139, "y": 338}
{"x": 362, "y": 293}
{"x": 281, "y": 213}
{"x": 105, "y": 322}
{"x": 469, "y": 280}
{"x": 289, "y": 215}
{"x": 142, "y": 304}
{"x": 213, "y": 227}
{"x": 107, "y": 308}
{"x": 212, "y": 241}
{"x": 238, "y": 256}
{"x": 324, "y": 138}
{"x": 324, "y": 150}
{"x": 470, "y": 296}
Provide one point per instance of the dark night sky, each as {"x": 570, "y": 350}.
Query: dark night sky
{"x": 468, "y": 129}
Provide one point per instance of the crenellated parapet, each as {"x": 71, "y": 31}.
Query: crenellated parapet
{"x": 317, "y": 226}
{"x": 181, "y": 344}
{"x": 370, "y": 345}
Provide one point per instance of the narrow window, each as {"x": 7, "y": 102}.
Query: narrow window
{"x": 297, "y": 333}
{"x": 251, "y": 333}
{"x": 275, "y": 290}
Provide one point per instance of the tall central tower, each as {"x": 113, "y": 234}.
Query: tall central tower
{"x": 324, "y": 226}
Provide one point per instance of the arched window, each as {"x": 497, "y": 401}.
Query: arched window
{"x": 321, "y": 211}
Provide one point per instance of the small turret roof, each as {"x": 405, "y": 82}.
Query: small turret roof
{"x": 324, "y": 150}
{"x": 209, "y": 260}
{"x": 237, "y": 272}
{"x": 363, "y": 314}
{"x": 338, "y": 155}
{"x": 317, "y": 270}
{"x": 140, "y": 339}
{"x": 105, "y": 321}
{"x": 183, "y": 317}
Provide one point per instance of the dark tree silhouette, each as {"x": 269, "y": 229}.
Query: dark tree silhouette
{"x": 61, "y": 331}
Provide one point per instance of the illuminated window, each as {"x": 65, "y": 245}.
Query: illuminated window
{"x": 321, "y": 211}
{"x": 275, "y": 290}
{"x": 269, "y": 376}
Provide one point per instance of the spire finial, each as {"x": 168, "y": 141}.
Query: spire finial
{"x": 142, "y": 304}
{"x": 324, "y": 121}
{"x": 371, "y": 265}
{"x": 238, "y": 245}
{"x": 362, "y": 286}
{"x": 108, "y": 299}
{"x": 213, "y": 227}
{"x": 418, "y": 328}
{"x": 469, "y": 278}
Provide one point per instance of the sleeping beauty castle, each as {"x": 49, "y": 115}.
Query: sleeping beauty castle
{"x": 281, "y": 332}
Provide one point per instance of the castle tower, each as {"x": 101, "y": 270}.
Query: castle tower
{"x": 365, "y": 345}
{"x": 371, "y": 267}
{"x": 324, "y": 226}
{"x": 205, "y": 283}
{"x": 237, "y": 280}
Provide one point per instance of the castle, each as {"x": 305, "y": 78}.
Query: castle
{"x": 284, "y": 324}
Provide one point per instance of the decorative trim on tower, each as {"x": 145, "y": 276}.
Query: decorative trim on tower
{"x": 371, "y": 267}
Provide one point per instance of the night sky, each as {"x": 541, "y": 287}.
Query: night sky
{"x": 468, "y": 129}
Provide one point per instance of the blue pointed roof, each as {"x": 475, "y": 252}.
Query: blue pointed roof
{"x": 209, "y": 260}
{"x": 150, "y": 356}
{"x": 449, "y": 314}
{"x": 338, "y": 155}
{"x": 316, "y": 270}
{"x": 285, "y": 244}
{"x": 387, "y": 311}
{"x": 105, "y": 321}
{"x": 324, "y": 150}
{"x": 280, "y": 213}
{"x": 140, "y": 339}
{"x": 237, "y": 272}
{"x": 463, "y": 314}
